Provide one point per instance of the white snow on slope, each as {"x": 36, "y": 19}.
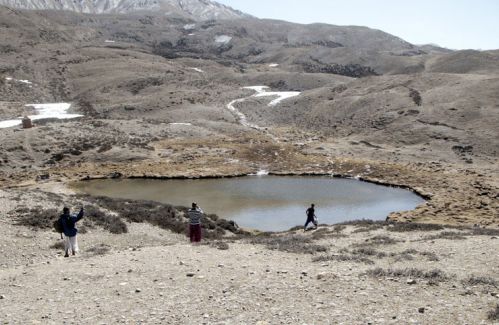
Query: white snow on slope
{"x": 273, "y": 65}
{"x": 197, "y": 69}
{"x": 181, "y": 123}
{"x": 19, "y": 80}
{"x": 224, "y": 39}
{"x": 9, "y": 123}
{"x": 43, "y": 111}
{"x": 281, "y": 95}
{"x": 261, "y": 172}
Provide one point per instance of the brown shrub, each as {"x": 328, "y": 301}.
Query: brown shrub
{"x": 434, "y": 276}
{"x": 409, "y": 226}
{"x": 288, "y": 243}
{"x": 343, "y": 258}
{"x": 494, "y": 313}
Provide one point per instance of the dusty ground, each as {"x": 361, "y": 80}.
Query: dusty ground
{"x": 428, "y": 124}
{"x": 152, "y": 276}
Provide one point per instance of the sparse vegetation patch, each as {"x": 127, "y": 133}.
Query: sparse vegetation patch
{"x": 289, "y": 243}
{"x": 494, "y": 313}
{"x": 434, "y": 276}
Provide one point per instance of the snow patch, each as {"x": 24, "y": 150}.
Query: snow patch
{"x": 180, "y": 123}
{"x": 189, "y": 26}
{"x": 273, "y": 65}
{"x": 258, "y": 89}
{"x": 223, "y": 39}
{"x": 261, "y": 172}
{"x": 109, "y": 41}
{"x": 197, "y": 69}
{"x": 9, "y": 123}
{"x": 281, "y": 95}
{"x": 44, "y": 111}
{"x": 19, "y": 80}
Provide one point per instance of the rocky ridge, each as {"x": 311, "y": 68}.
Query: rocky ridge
{"x": 194, "y": 9}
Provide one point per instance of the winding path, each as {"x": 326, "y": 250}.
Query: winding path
{"x": 260, "y": 92}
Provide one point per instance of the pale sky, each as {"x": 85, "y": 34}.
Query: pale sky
{"x": 455, "y": 24}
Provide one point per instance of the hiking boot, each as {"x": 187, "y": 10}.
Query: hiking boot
{"x": 66, "y": 255}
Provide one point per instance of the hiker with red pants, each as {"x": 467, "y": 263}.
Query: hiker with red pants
{"x": 195, "y": 214}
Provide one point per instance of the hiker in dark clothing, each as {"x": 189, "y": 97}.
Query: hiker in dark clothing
{"x": 68, "y": 223}
{"x": 311, "y": 218}
{"x": 195, "y": 214}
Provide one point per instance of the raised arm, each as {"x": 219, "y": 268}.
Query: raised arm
{"x": 80, "y": 214}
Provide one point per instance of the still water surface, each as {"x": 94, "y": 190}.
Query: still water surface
{"x": 270, "y": 203}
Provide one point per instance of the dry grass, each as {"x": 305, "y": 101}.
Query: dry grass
{"x": 474, "y": 280}
{"x": 288, "y": 243}
{"x": 435, "y": 276}
{"x": 364, "y": 225}
{"x": 162, "y": 215}
{"x": 408, "y": 255}
{"x": 36, "y": 218}
{"x": 58, "y": 245}
{"x": 409, "y": 226}
{"x": 101, "y": 249}
{"x": 450, "y": 235}
{"x": 377, "y": 240}
{"x": 368, "y": 251}
{"x": 343, "y": 258}
{"x": 494, "y": 314}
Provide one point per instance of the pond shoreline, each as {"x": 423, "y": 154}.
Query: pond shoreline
{"x": 420, "y": 193}
{"x": 267, "y": 203}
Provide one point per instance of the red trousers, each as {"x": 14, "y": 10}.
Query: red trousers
{"x": 195, "y": 233}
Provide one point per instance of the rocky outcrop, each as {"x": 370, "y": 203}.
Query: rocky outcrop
{"x": 194, "y": 9}
{"x": 349, "y": 70}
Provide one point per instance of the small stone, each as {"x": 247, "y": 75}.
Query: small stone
{"x": 67, "y": 279}
{"x": 201, "y": 277}
{"x": 123, "y": 283}
{"x": 138, "y": 290}
{"x": 130, "y": 271}
{"x": 411, "y": 281}
{"x": 190, "y": 274}
{"x": 421, "y": 310}
{"x": 304, "y": 273}
{"x": 2, "y": 297}
{"x": 206, "y": 316}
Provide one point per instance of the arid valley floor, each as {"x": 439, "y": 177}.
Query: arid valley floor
{"x": 168, "y": 98}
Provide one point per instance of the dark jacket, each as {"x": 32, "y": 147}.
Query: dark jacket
{"x": 69, "y": 222}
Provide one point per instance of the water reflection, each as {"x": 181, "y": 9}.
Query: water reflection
{"x": 268, "y": 203}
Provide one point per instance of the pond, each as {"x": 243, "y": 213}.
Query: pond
{"x": 268, "y": 203}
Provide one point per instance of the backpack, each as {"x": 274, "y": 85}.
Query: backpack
{"x": 58, "y": 226}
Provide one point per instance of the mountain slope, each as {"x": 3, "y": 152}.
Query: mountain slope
{"x": 194, "y": 9}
